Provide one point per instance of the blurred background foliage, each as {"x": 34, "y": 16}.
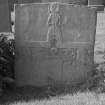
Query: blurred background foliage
{"x": 7, "y": 56}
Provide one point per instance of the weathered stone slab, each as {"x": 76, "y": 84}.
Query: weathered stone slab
{"x": 54, "y": 43}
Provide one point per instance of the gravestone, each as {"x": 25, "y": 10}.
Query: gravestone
{"x": 54, "y": 43}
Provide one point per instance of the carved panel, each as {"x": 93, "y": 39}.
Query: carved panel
{"x": 31, "y": 22}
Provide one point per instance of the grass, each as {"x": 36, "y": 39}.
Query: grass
{"x": 85, "y": 98}
{"x": 36, "y": 96}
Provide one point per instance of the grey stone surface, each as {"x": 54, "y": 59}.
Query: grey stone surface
{"x": 54, "y": 43}
{"x": 4, "y": 16}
